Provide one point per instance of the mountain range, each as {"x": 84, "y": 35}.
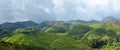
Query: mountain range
{"x": 61, "y": 35}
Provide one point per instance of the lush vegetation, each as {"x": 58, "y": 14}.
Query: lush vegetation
{"x": 58, "y": 35}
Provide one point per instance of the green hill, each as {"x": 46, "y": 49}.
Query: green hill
{"x": 65, "y": 36}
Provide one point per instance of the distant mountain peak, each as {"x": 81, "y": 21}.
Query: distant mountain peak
{"x": 111, "y": 20}
{"x": 19, "y": 24}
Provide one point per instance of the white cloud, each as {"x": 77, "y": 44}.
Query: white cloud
{"x": 47, "y": 10}
{"x": 40, "y": 10}
{"x": 22, "y": 10}
{"x": 87, "y": 9}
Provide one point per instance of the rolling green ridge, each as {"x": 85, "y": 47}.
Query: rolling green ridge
{"x": 58, "y": 35}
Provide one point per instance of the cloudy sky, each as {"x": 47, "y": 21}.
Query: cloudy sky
{"x": 41, "y": 10}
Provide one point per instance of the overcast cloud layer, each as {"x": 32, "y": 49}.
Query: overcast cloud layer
{"x": 41, "y": 10}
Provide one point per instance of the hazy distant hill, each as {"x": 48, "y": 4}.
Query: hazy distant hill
{"x": 111, "y": 21}
{"x": 19, "y": 24}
